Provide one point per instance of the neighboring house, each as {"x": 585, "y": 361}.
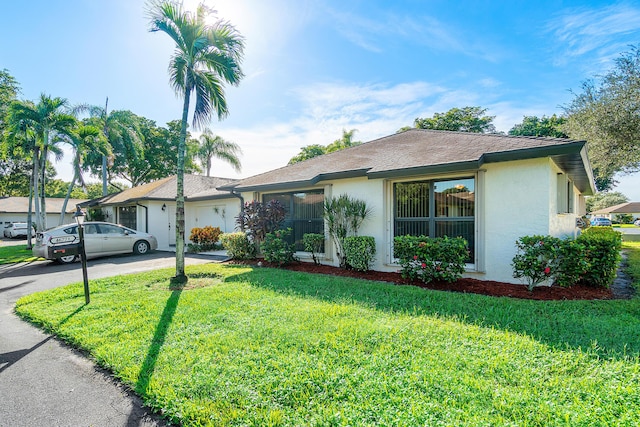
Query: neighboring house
{"x": 152, "y": 207}
{"x": 489, "y": 189}
{"x": 629, "y": 208}
{"x": 16, "y": 209}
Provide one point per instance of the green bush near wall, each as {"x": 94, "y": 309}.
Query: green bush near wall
{"x": 359, "y": 252}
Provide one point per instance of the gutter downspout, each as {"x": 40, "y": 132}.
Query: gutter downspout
{"x": 239, "y": 196}
{"x": 146, "y": 217}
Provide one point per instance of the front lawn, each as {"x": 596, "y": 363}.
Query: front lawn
{"x": 261, "y": 346}
{"x": 16, "y": 253}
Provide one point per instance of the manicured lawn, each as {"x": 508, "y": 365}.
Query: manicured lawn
{"x": 272, "y": 347}
{"x": 16, "y": 253}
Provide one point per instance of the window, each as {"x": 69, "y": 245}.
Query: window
{"x": 127, "y": 216}
{"x": 303, "y": 213}
{"x": 565, "y": 194}
{"x": 436, "y": 209}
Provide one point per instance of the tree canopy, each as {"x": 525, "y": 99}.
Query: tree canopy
{"x": 466, "y": 119}
{"x": 605, "y": 200}
{"x": 606, "y": 113}
{"x": 310, "y": 151}
{"x": 546, "y": 126}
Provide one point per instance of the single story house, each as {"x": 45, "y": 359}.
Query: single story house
{"x": 629, "y": 208}
{"x": 16, "y": 209}
{"x": 152, "y": 207}
{"x": 489, "y": 189}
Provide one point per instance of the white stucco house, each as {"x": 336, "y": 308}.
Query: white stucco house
{"x": 489, "y": 189}
{"x": 152, "y": 207}
{"x": 628, "y": 208}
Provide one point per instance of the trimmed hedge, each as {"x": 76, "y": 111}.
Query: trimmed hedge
{"x": 238, "y": 245}
{"x": 276, "y": 249}
{"x": 359, "y": 252}
{"x": 429, "y": 259}
{"x": 602, "y": 247}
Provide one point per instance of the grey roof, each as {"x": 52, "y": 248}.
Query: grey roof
{"x": 622, "y": 208}
{"x": 196, "y": 187}
{"x": 21, "y": 204}
{"x": 419, "y": 151}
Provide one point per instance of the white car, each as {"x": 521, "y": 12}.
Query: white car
{"x": 15, "y": 229}
{"x": 60, "y": 244}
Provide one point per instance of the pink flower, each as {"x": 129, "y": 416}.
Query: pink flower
{"x": 415, "y": 257}
{"x": 424, "y": 265}
{"x": 547, "y": 270}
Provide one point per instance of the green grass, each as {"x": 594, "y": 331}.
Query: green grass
{"x": 268, "y": 347}
{"x": 17, "y": 253}
{"x": 632, "y": 249}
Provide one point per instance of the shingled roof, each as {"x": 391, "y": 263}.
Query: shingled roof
{"x": 196, "y": 187}
{"x": 622, "y": 208}
{"x": 419, "y": 152}
{"x": 21, "y": 204}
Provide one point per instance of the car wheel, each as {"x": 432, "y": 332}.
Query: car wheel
{"x": 141, "y": 247}
{"x": 66, "y": 259}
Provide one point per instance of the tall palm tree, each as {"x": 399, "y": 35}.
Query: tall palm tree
{"x": 214, "y": 146}
{"x": 83, "y": 139}
{"x": 48, "y": 121}
{"x": 206, "y": 56}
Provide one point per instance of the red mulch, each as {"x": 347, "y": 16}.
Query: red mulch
{"x": 475, "y": 286}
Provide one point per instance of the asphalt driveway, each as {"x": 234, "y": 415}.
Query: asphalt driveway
{"x": 43, "y": 382}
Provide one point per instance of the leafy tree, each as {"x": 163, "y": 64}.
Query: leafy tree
{"x": 308, "y": 152}
{"x": 467, "y": 119}
{"x": 206, "y": 56}
{"x": 213, "y": 146}
{"x": 14, "y": 177}
{"x": 604, "y": 200}
{"x": 9, "y": 89}
{"x": 546, "y": 126}
{"x": 315, "y": 150}
{"x": 606, "y": 113}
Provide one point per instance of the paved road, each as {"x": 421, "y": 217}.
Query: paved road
{"x": 45, "y": 383}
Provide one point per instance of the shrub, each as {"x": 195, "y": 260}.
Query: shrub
{"x": 539, "y": 259}
{"x": 204, "y": 238}
{"x": 430, "y": 259}
{"x": 257, "y": 219}
{"x": 602, "y": 252}
{"x": 359, "y": 252}
{"x": 276, "y": 249}
{"x": 238, "y": 245}
{"x": 313, "y": 243}
{"x": 344, "y": 215}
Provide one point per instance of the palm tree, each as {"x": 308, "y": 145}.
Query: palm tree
{"x": 118, "y": 128}
{"x": 83, "y": 139}
{"x": 206, "y": 56}
{"x": 48, "y": 122}
{"x": 215, "y": 146}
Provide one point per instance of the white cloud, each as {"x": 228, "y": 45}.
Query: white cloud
{"x": 603, "y": 33}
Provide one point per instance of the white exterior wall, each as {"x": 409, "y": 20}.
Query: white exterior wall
{"x": 513, "y": 199}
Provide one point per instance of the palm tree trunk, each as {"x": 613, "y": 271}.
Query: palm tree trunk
{"x": 43, "y": 169}
{"x": 180, "y": 276}
{"x": 69, "y": 190}
{"x": 29, "y": 213}
{"x": 36, "y": 189}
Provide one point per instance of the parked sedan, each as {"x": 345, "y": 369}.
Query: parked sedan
{"x": 60, "y": 244}
{"x": 15, "y": 229}
{"x": 600, "y": 221}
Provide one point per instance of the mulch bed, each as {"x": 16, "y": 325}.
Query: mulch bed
{"x": 465, "y": 285}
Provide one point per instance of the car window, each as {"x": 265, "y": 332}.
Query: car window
{"x": 111, "y": 229}
{"x": 91, "y": 229}
{"x": 71, "y": 230}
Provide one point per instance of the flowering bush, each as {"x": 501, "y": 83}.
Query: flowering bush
{"x": 204, "y": 239}
{"x": 430, "y": 259}
{"x": 591, "y": 259}
{"x": 276, "y": 249}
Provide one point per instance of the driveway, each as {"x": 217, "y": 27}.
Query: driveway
{"x": 43, "y": 382}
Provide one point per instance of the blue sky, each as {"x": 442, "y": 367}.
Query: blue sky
{"x": 314, "y": 68}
